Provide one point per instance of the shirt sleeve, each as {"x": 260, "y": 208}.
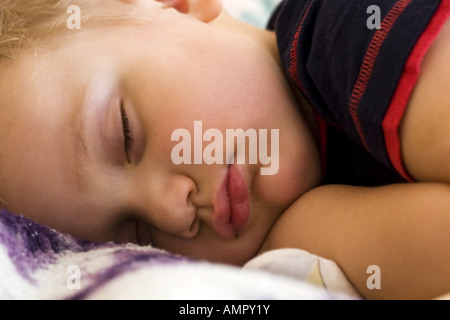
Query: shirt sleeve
{"x": 351, "y": 70}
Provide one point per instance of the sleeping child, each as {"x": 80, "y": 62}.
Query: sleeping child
{"x": 169, "y": 123}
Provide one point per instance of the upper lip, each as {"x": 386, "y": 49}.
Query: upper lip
{"x": 232, "y": 209}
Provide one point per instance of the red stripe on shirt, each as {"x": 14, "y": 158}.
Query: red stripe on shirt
{"x": 408, "y": 80}
{"x": 368, "y": 64}
{"x": 293, "y": 71}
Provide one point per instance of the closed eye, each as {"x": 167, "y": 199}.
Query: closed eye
{"x": 128, "y": 139}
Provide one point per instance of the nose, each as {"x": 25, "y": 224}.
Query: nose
{"x": 172, "y": 210}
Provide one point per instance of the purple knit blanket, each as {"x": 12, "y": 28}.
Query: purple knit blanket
{"x": 37, "y": 262}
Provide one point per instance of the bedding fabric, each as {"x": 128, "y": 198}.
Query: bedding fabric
{"x": 37, "y": 262}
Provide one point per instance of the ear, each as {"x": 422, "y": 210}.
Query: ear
{"x": 203, "y": 10}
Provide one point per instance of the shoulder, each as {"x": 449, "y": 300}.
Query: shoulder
{"x": 425, "y": 130}
{"x": 307, "y": 223}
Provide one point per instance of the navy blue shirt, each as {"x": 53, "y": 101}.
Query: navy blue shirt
{"x": 358, "y": 75}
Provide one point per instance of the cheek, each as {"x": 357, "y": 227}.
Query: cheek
{"x": 299, "y": 170}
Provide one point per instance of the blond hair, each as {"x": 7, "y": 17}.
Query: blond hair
{"x": 28, "y": 23}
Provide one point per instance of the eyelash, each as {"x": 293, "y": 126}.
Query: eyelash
{"x": 128, "y": 139}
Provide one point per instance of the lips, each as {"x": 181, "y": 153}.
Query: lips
{"x": 232, "y": 204}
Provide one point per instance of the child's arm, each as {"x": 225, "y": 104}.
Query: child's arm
{"x": 403, "y": 229}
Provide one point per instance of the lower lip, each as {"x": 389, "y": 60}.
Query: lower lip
{"x": 234, "y": 208}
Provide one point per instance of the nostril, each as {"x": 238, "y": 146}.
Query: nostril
{"x": 188, "y": 200}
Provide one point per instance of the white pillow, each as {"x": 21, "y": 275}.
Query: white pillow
{"x": 304, "y": 266}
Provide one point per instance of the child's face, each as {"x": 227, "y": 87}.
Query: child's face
{"x": 63, "y": 160}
